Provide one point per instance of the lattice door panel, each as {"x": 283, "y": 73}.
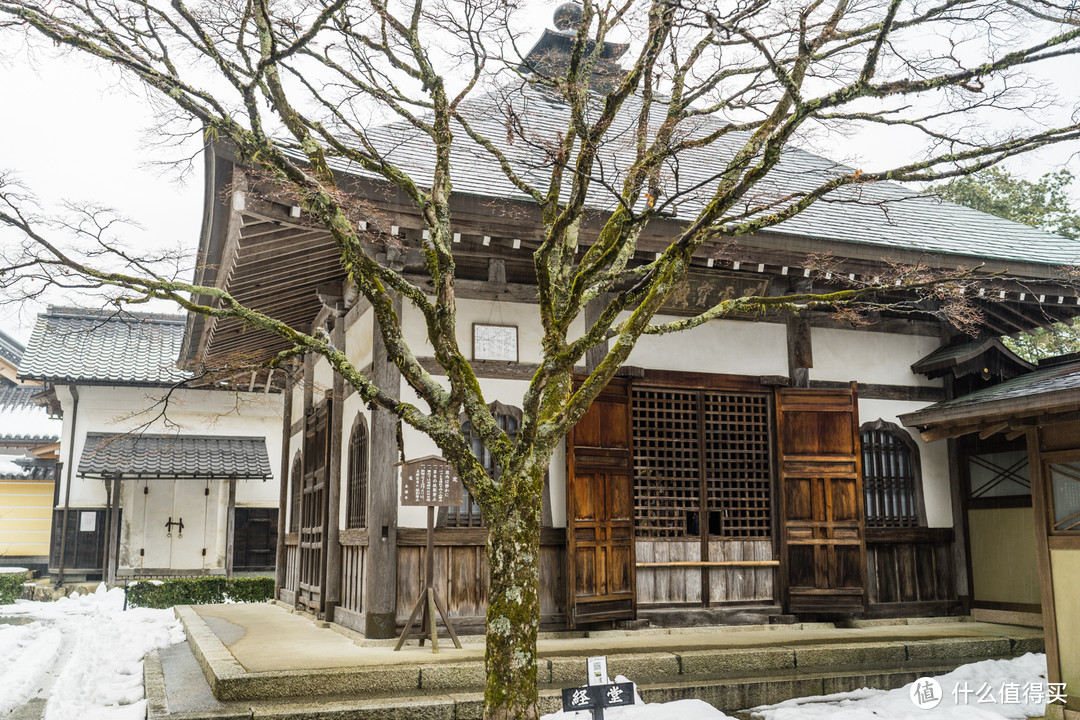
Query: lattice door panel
{"x": 738, "y": 468}
{"x": 667, "y": 462}
{"x": 313, "y": 512}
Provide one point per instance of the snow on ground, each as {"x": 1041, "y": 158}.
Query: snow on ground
{"x": 987, "y": 690}
{"x": 84, "y": 653}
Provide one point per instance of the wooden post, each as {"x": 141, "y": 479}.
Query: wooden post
{"x": 595, "y": 355}
{"x": 332, "y": 590}
{"x": 114, "y": 532}
{"x": 380, "y": 598}
{"x": 230, "y": 529}
{"x": 108, "y": 523}
{"x": 283, "y": 492}
{"x": 800, "y": 352}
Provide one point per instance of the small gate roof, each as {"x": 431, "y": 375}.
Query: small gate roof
{"x": 140, "y": 455}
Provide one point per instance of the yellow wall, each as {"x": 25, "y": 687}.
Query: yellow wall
{"x": 25, "y": 517}
{"x": 1065, "y": 568}
{"x": 1004, "y": 568}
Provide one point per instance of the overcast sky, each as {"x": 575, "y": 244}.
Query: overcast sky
{"x": 73, "y": 132}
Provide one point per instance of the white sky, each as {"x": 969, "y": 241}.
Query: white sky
{"x": 72, "y": 132}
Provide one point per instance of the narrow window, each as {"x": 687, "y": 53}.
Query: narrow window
{"x": 468, "y": 513}
{"x": 356, "y": 516}
{"x": 892, "y": 481}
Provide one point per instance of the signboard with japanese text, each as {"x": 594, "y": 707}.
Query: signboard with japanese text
{"x": 597, "y": 697}
{"x": 430, "y": 480}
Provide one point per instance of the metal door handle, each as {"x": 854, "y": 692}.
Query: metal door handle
{"x": 169, "y": 526}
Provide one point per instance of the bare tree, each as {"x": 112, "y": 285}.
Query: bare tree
{"x": 304, "y": 88}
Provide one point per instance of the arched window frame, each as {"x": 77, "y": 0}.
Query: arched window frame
{"x": 892, "y": 477}
{"x": 296, "y": 490}
{"x": 356, "y": 497}
{"x": 468, "y": 513}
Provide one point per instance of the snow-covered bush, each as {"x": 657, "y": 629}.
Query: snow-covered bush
{"x": 199, "y": 591}
{"x": 11, "y": 586}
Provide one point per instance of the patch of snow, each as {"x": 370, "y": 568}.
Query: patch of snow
{"x": 98, "y": 676}
{"x": 12, "y": 570}
{"x": 26, "y": 652}
{"x": 870, "y": 704}
{"x": 8, "y": 468}
{"x": 992, "y": 676}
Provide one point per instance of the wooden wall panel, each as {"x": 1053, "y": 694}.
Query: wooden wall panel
{"x": 461, "y": 580}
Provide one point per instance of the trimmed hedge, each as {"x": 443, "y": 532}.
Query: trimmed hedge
{"x": 11, "y": 587}
{"x": 199, "y": 591}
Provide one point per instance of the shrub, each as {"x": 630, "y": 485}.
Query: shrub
{"x": 199, "y": 591}
{"x": 11, "y": 587}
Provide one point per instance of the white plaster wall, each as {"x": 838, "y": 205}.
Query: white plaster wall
{"x": 297, "y": 403}
{"x": 112, "y": 409}
{"x": 358, "y": 340}
{"x": 525, "y": 316}
{"x": 934, "y": 458}
{"x": 869, "y": 357}
{"x": 732, "y": 347}
{"x": 324, "y": 378}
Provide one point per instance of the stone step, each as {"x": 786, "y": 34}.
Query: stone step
{"x": 733, "y": 670}
{"x": 690, "y": 665}
{"x": 730, "y": 694}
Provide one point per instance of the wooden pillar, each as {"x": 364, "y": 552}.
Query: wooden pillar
{"x": 283, "y": 491}
{"x": 114, "y": 533}
{"x": 800, "y": 352}
{"x": 332, "y": 590}
{"x": 105, "y": 555}
{"x": 594, "y": 356}
{"x": 230, "y": 528}
{"x": 1040, "y": 491}
{"x": 958, "y": 494}
{"x": 380, "y": 591}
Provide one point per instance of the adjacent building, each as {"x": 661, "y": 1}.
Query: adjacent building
{"x": 159, "y": 477}
{"x": 29, "y": 443}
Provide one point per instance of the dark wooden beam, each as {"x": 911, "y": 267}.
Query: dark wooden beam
{"x": 870, "y": 391}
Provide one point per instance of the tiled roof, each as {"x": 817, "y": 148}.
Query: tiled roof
{"x": 22, "y": 421}
{"x": 1037, "y": 388}
{"x": 881, "y": 215}
{"x": 10, "y": 348}
{"x": 104, "y": 347}
{"x": 172, "y": 456}
{"x": 950, "y": 356}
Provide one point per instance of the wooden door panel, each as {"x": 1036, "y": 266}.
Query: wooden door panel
{"x": 599, "y": 509}
{"x": 821, "y": 480}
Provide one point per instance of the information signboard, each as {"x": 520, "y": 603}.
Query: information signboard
{"x": 430, "y": 480}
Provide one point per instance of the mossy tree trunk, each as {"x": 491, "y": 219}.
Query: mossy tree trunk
{"x": 513, "y": 611}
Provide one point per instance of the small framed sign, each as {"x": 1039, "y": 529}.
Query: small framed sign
{"x": 430, "y": 480}
{"x": 87, "y": 521}
{"x": 495, "y": 342}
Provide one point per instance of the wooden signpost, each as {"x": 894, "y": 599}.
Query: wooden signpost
{"x": 430, "y": 481}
